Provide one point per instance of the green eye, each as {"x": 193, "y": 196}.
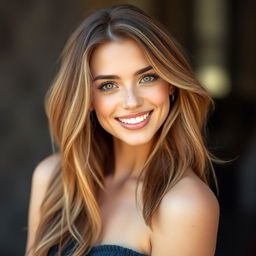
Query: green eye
{"x": 149, "y": 78}
{"x": 107, "y": 86}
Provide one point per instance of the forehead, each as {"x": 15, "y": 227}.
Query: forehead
{"x": 118, "y": 57}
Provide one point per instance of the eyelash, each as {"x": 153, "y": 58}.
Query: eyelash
{"x": 155, "y": 77}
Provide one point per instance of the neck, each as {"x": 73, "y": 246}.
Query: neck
{"x": 129, "y": 160}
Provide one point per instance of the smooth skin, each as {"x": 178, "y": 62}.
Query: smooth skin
{"x": 128, "y": 93}
{"x": 186, "y": 223}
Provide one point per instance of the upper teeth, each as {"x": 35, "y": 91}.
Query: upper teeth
{"x": 135, "y": 120}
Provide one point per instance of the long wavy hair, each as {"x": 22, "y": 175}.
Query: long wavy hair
{"x": 70, "y": 210}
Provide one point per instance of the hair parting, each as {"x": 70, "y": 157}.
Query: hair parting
{"x": 70, "y": 210}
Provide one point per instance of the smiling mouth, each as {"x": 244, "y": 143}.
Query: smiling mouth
{"x": 136, "y": 119}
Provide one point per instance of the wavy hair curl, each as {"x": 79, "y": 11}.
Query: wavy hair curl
{"x": 70, "y": 211}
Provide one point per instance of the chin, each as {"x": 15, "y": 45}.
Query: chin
{"x": 136, "y": 140}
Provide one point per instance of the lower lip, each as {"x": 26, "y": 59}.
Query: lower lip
{"x": 138, "y": 125}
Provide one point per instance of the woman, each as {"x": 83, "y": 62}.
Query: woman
{"x": 131, "y": 174}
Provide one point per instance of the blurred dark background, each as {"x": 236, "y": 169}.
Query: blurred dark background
{"x": 219, "y": 38}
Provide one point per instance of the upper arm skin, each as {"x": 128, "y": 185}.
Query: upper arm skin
{"x": 186, "y": 223}
{"x": 40, "y": 181}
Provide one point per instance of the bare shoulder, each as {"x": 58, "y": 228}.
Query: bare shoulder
{"x": 46, "y": 167}
{"x": 40, "y": 181}
{"x": 190, "y": 193}
{"x": 186, "y": 222}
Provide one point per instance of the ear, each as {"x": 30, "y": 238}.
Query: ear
{"x": 171, "y": 89}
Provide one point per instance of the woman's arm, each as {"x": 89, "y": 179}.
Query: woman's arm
{"x": 186, "y": 223}
{"x": 40, "y": 181}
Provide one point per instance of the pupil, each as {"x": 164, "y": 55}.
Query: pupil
{"x": 147, "y": 78}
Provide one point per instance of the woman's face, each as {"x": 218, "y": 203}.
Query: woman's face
{"x": 130, "y": 100}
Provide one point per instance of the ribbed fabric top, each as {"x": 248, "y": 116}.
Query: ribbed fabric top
{"x": 113, "y": 250}
{"x": 101, "y": 250}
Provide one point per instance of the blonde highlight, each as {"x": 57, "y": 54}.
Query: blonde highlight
{"x": 70, "y": 211}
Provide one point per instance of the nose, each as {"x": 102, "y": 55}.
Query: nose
{"x": 132, "y": 99}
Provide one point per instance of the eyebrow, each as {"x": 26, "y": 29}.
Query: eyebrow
{"x": 140, "y": 71}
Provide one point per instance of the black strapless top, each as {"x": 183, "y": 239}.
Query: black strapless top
{"x": 100, "y": 250}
